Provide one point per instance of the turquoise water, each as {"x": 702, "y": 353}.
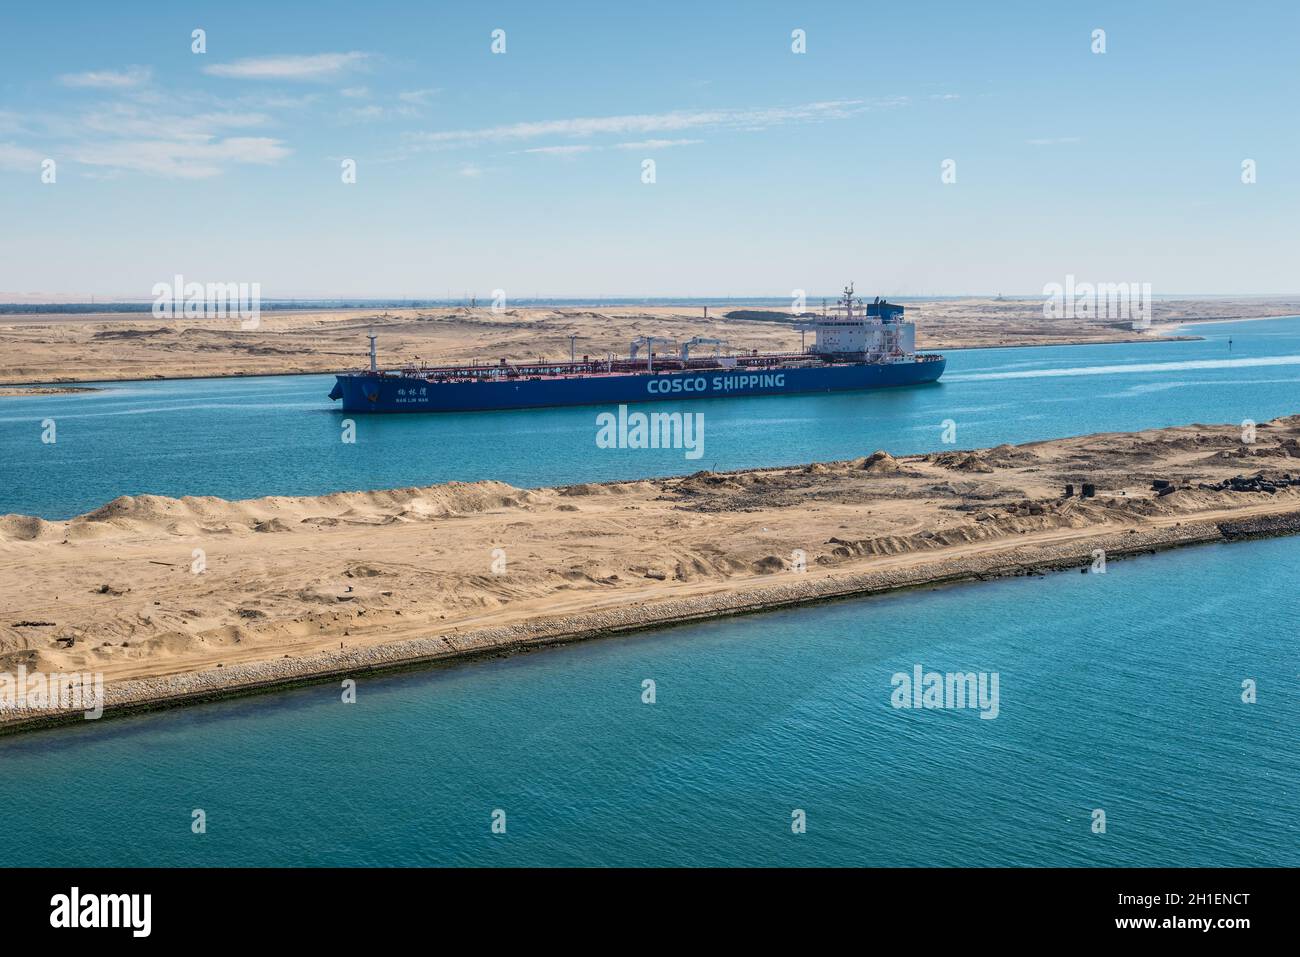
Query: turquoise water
{"x": 241, "y": 438}
{"x": 1120, "y": 692}
{"x": 1115, "y": 692}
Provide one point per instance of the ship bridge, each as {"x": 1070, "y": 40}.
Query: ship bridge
{"x": 876, "y": 329}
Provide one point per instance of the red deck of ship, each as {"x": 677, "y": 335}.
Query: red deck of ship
{"x": 596, "y": 368}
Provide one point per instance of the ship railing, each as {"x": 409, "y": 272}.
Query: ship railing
{"x": 479, "y": 372}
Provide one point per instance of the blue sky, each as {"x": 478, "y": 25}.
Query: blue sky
{"x": 523, "y": 171}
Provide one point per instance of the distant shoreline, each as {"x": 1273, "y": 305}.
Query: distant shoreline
{"x": 54, "y": 350}
{"x": 55, "y": 385}
{"x": 108, "y": 306}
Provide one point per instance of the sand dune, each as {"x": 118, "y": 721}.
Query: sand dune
{"x": 149, "y": 586}
{"x": 129, "y": 516}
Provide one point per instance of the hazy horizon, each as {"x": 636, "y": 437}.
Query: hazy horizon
{"x": 484, "y": 300}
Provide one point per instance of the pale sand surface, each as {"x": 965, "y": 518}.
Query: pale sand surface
{"x": 314, "y": 585}
{"x": 46, "y": 349}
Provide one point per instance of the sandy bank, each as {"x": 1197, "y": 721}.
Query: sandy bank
{"x": 131, "y": 347}
{"x": 173, "y": 599}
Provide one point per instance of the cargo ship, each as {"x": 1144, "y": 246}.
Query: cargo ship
{"x": 856, "y": 346}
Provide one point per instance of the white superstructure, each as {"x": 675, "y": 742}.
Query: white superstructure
{"x": 876, "y": 330}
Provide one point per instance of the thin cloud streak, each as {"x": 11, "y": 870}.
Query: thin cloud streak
{"x": 558, "y": 150}
{"x": 418, "y": 97}
{"x": 655, "y": 144}
{"x": 194, "y": 157}
{"x": 317, "y": 66}
{"x": 675, "y": 121}
{"x": 19, "y": 158}
{"x": 108, "y": 79}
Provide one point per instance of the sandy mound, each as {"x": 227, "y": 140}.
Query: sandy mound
{"x": 588, "y": 488}
{"x": 27, "y": 528}
{"x": 962, "y": 461}
{"x": 1010, "y": 456}
{"x": 272, "y": 525}
{"x": 1017, "y": 520}
{"x": 193, "y": 515}
{"x": 880, "y": 462}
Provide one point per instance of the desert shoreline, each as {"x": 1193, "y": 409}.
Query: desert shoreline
{"x": 54, "y": 384}
{"x": 95, "y": 349}
{"x": 306, "y": 589}
{"x": 150, "y": 695}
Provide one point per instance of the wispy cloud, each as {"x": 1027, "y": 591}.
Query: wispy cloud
{"x": 11, "y": 122}
{"x": 568, "y": 150}
{"x": 190, "y": 138}
{"x": 675, "y": 121}
{"x": 131, "y": 126}
{"x": 355, "y": 92}
{"x": 108, "y": 79}
{"x": 374, "y": 111}
{"x": 470, "y": 171}
{"x": 273, "y": 101}
{"x": 1055, "y": 141}
{"x": 654, "y": 144}
{"x": 19, "y": 158}
{"x": 418, "y": 97}
{"x": 130, "y": 120}
{"x": 409, "y": 103}
{"x": 316, "y": 66}
{"x": 573, "y": 149}
{"x": 195, "y": 157}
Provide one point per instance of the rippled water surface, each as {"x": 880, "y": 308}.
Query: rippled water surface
{"x": 242, "y": 438}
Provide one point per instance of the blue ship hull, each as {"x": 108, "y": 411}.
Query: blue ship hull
{"x": 388, "y": 392}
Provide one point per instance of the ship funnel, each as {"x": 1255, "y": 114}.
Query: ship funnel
{"x": 374, "y": 366}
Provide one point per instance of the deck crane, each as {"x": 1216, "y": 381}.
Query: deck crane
{"x": 649, "y": 343}
{"x": 701, "y": 341}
